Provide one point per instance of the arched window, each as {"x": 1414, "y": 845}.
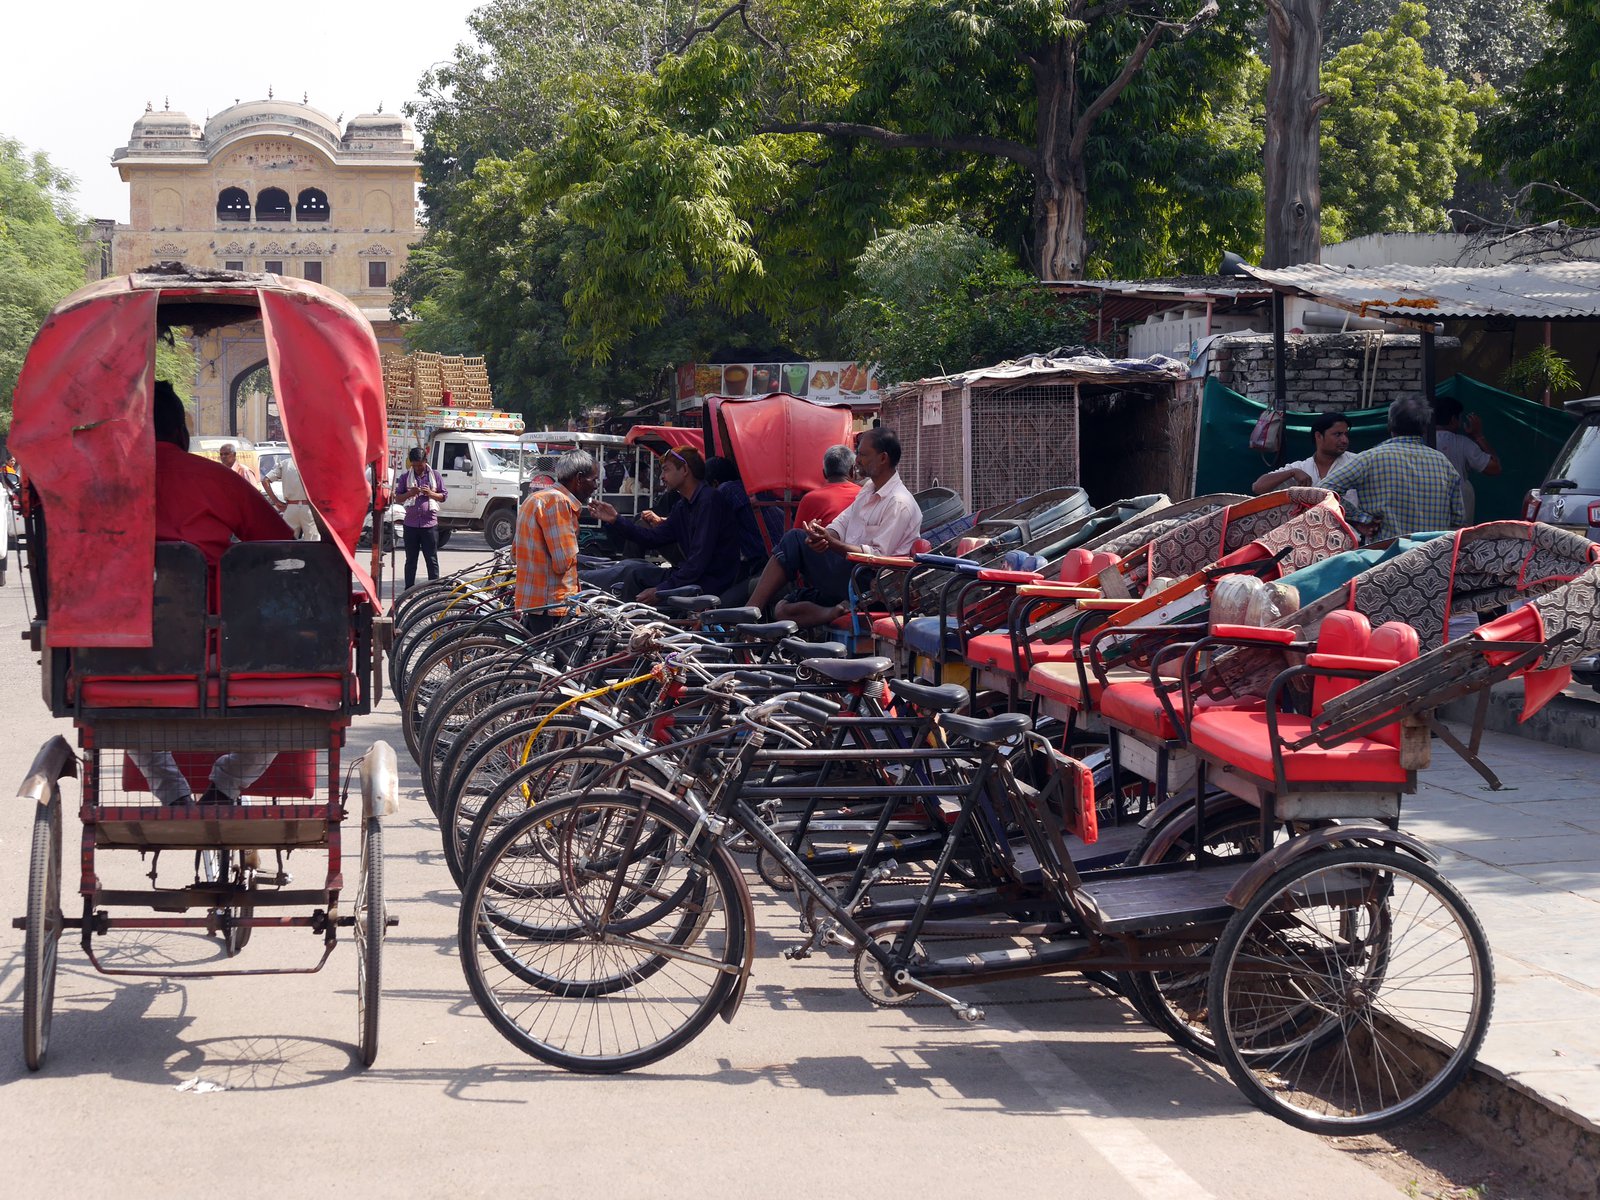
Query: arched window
{"x": 312, "y": 205}
{"x": 233, "y": 204}
{"x": 272, "y": 204}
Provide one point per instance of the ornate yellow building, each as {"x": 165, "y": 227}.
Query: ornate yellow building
{"x": 273, "y": 186}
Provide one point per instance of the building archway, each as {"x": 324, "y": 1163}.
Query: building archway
{"x": 312, "y": 206}
{"x": 272, "y": 204}
{"x": 233, "y": 204}
{"x": 255, "y": 380}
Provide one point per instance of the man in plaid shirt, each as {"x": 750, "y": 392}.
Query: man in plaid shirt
{"x": 1408, "y": 484}
{"x": 546, "y": 545}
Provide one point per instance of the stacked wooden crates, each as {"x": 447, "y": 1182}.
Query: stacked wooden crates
{"x": 413, "y": 382}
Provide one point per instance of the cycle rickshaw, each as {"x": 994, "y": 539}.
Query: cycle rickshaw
{"x": 157, "y": 657}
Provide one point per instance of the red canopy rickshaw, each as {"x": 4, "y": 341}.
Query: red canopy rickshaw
{"x": 160, "y": 659}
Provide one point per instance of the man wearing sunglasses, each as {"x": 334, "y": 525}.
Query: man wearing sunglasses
{"x": 702, "y": 523}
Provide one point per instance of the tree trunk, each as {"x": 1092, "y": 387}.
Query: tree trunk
{"x": 1293, "y": 185}
{"x": 1061, "y": 181}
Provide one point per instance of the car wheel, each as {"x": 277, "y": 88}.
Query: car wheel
{"x": 500, "y": 527}
{"x": 444, "y": 537}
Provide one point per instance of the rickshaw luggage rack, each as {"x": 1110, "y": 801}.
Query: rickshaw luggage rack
{"x": 267, "y": 656}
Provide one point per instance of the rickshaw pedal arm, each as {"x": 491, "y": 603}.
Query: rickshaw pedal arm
{"x": 1467, "y": 754}
{"x": 53, "y": 763}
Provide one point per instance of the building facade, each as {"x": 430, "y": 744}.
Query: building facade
{"x": 269, "y": 186}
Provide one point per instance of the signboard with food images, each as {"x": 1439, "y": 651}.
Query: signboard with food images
{"x": 849, "y": 382}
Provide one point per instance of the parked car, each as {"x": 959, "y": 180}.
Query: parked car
{"x": 1570, "y": 494}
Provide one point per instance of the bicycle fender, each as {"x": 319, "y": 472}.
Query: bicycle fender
{"x": 54, "y": 762}
{"x": 730, "y": 1006}
{"x": 1328, "y": 838}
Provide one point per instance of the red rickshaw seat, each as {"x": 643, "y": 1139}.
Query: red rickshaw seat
{"x": 993, "y": 650}
{"x": 322, "y": 692}
{"x": 1240, "y": 739}
{"x": 291, "y": 773}
{"x": 1136, "y": 706}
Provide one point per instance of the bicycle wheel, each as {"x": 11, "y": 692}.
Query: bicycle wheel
{"x": 370, "y": 926}
{"x": 235, "y": 935}
{"x": 1352, "y": 992}
{"x": 432, "y": 673}
{"x": 595, "y": 988}
{"x": 42, "y": 933}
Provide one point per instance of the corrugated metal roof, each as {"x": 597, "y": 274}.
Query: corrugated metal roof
{"x": 1171, "y": 287}
{"x": 1542, "y": 291}
{"x": 1079, "y": 368}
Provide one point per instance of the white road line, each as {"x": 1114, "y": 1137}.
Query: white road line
{"x": 1117, "y": 1139}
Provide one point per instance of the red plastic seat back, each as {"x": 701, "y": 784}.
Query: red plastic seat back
{"x": 1395, "y": 642}
{"x": 1344, "y": 632}
{"x": 1080, "y": 566}
{"x": 921, "y": 546}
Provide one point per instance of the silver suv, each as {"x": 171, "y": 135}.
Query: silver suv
{"x": 1570, "y": 494}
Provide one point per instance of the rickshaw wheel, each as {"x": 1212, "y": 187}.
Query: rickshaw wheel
{"x": 42, "y": 933}
{"x": 371, "y": 923}
{"x": 1351, "y": 992}
{"x": 236, "y": 936}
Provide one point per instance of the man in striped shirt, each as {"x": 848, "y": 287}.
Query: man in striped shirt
{"x": 1409, "y": 485}
{"x": 546, "y": 545}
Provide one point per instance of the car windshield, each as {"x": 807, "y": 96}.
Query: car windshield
{"x": 1579, "y": 459}
{"x": 500, "y": 456}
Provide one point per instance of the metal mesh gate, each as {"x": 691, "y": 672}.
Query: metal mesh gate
{"x": 1024, "y": 440}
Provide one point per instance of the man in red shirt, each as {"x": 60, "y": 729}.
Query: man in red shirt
{"x": 205, "y": 504}
{"x": 825, "y": 503}
{"x": 200, "y": 501}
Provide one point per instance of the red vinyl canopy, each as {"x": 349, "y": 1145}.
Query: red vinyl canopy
{"x": 82, "y": 433}
{"x": 779, "y": 440}
{"x": 674, "y": 437}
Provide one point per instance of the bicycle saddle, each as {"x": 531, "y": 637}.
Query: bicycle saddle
{"x": 944, "y": 697}
{"x": 684, "y": 605}
{"x": 986, "y": 732}
{"x": 729, "y": 616}
{"x": 848, "y": 670}
{"x": 797, "y": 649}
{"x": 772, "y": 631}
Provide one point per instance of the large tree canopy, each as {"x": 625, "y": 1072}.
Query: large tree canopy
{"x": 1395, "y": 134}
{"x": 40, "y": 258}
{"x": 1547, "y": 132}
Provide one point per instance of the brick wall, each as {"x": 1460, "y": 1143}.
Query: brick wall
{"x": 1326, "y": 372}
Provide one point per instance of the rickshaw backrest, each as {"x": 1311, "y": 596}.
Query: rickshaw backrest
{"x": 285, "y": 609}
{"x": 178, "y": 623}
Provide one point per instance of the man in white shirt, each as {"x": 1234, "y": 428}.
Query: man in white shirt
{"x": 1461, "y": 440}
{"x": 884, "y": 518}
{"x": 1330, "y": 434}
{"x": 294, "y": 506}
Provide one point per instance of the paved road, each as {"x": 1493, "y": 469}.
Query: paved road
{"x": 808, "y": 1092}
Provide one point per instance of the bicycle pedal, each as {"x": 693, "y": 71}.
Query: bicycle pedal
{"x": 795, "y": 952}
{"x": 970, "y": 1013}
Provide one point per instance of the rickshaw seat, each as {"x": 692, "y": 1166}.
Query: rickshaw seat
{"x": 293, "y": 773}
{"x": 178, "y": 630}
{"x": 1136, "y": 706}
{"x": 285, "y": 625}
{"x": 993, "y": 650}
{"x": 1240, "y": 739}
{"x": 324, "y": 692}
{"x": 1058, "y": 681}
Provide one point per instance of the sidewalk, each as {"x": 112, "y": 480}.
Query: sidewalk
{"x": 1528, "y": 859}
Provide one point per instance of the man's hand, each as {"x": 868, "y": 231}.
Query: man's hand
{"x": 822, "y": 539}
{"x": 649, "y": 516}
{"x": 604, "y": 511}
{"x": 1472, "y": 425}
{"x": 648, "y": 596}
{"x": 1297, "y": 478}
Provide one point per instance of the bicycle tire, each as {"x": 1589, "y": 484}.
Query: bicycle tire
{"x": 42, "y": 932}
{"x": 639, "y": 1023}
{"x": 1341, "y": 935}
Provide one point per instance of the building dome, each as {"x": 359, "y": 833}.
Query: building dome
{"x": 377, "y": 128}
{"x": 272, "y": 116}
{"x": 163, "y": 124}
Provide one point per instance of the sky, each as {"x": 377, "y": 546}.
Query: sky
{"x": 78, "y": 75}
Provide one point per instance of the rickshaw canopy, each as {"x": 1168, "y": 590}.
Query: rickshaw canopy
{"x": 661, "y": 438}
{"x": 779, "y": 440}
{"x": 83, "y": 435}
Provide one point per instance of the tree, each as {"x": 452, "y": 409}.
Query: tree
{"x": 1014, "y": 80}
{"x": 1479, "y": 41}
{"x": 1547, "y": 132}
{"x": 40, "y": 257}
{"x": 937, "y": 298}
{"x": 1292, "y": 173}
{"x": 1396, "y": 133}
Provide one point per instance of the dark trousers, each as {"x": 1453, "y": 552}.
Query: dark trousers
{"x": 427, "y": 542}
{"x": 826, "y": 575}
{"x": 626, "y": 579}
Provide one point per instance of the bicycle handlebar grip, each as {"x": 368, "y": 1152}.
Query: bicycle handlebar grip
{"x": 798, "y": 708}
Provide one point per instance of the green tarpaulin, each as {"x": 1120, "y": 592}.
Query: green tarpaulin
{"x": 1526, "y": 435}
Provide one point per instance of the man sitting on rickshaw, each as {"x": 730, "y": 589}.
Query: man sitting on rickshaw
{"x": 884, "y": 518}
{"x": 205, "y": 504}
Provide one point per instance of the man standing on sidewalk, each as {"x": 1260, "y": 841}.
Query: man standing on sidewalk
{"x": 546, "y": 543}
{"x": 420, "y": 489}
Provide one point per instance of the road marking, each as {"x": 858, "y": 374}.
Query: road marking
{"x": 1117, "y": 1139}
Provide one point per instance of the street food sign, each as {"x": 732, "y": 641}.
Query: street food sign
{"x": 842, "y": 382}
